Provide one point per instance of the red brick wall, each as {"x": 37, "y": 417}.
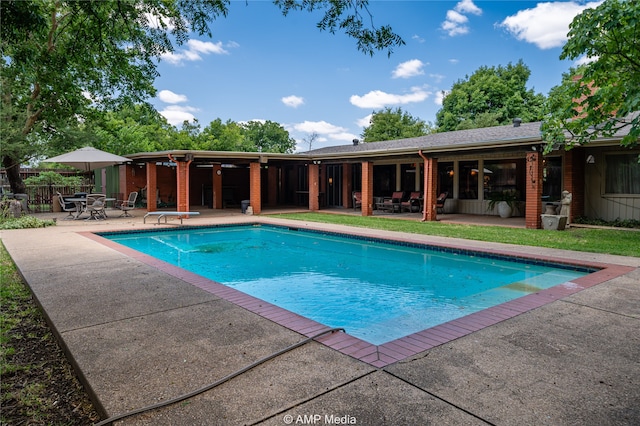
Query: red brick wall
{"x": 347, "y": 186}
{"x": 314, "y": 187}
{"x": 533, "y": 189}
{"x": 430, "y": 189}
{"x": 151, "y": 184}
{"x": 367, "y": 188}
{"x": 255, "y": 188}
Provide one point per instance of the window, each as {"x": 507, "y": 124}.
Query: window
{"x": 552, "y": 179}
{"x": 468, "y": 182}
{"x": 504, "y": 176}
{"x": 623, "y": 174}
{"x": 445, "y": 178}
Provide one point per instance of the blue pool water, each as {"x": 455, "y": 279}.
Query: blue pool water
{"x": 377, "y": 291}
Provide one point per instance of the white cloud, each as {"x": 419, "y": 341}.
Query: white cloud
{"x": 454, "y": 61}
{"x": 206, "y": 47}
{"x": 328, "y": 134}
{"x": 292, "y": 101}
{"x": 440, "y": 95}
{"x": 320, "y": 127}
{"x": 417, "y": 38}
{"x": 156, "y": 21}
{"x": 547, "y": 24}
{"x": 437, "y": 77}
{"x": 408, "y": 69}
{"x": 467, "y": 6}
{"x": 167, "y": 96}
{"x": 456, "y": 21}
{"x": 364, "y": 121}
{"x": 177, "y": 114}
{"x": 194, "y": 51}
{"x": 584, "y": 59}
{"x": 378, "y": 99}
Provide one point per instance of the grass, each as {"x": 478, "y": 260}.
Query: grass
{"x": 38, "y": 386}
{"x": 607, "y": 241}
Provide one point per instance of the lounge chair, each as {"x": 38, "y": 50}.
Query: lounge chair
{"x": 68, "y": 207}
{"x": 95, "y": 206}
{"x": 392, "y": 203}
{"x": 357, "y": 199}
{"x": 129, "y": 204}
{"x": 413, "y": 204}
{"x": 440, "y": 202}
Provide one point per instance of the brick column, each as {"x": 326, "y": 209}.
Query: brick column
{"x": 152, "y": 177}
{"x": 533, "y": 189}
{"x": 367, "y": 188}
{"x": 314, "y": 187}
{"x": 255, "y": 188}
{"x": 573, "y": 165}
{"x": 182, "y": 182}
{"x": 347, "y": 186}
{"x": 217, "y": 186}
{"x": 430, "y": 187}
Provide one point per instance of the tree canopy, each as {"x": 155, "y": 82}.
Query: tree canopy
{"x": 602, "y": 96}
{"x": 491, "y": 96}
{"x": 389, "y": 124}
{"x": 60, "y": 59}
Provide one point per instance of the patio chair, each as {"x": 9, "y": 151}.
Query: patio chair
{"x": 129, "y": 204}
{"x": 95, "y": 206}
{"x": 393, "y": 203}
{"x": 440, "y": 202}
{"x": 68, "y": 207}
{"x": 357, "y": 199}
{"x": 413, "y": 204}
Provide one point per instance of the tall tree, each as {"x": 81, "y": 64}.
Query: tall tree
{"x": 603, "y": 96}
{"x": 59, "y": 57}
{"x": 491, "y": 96}
{"x": 389, "y": 124}
{"x": 267, "y": 137}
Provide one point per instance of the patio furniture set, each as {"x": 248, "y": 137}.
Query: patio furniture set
{"x": 94, "y": 205}
{"x": 397, "y": 204}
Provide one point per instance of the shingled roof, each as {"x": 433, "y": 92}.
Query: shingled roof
{"x": 461, "y": 139}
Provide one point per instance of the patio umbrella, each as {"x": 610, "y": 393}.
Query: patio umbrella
{"x": 87, "y": 159}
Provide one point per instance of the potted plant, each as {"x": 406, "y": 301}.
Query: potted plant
{"x": 504, "y": 200}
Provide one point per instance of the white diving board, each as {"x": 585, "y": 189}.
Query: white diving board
{"x": 167, "y": 214}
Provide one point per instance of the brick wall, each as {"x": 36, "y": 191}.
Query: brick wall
{"x": 255, "y": 188}
{"x": 533, "y": 190}
{"x": 367, "y": 188}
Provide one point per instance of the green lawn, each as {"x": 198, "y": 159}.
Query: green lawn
{"x": 621, "y": 242}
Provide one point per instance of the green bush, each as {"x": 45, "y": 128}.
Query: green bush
{"x": 24, "y": 222}
{"x": 53, "y": 178}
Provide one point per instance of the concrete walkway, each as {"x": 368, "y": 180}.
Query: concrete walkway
{"x": 139, "y": 336}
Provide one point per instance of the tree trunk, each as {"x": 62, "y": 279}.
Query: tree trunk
{"x": 13, "y": 174}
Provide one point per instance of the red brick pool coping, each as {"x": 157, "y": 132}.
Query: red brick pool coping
{"x": 396, "y": 350}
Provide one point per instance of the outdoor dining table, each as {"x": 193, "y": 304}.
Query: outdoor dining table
{"x": 81, "y": 201}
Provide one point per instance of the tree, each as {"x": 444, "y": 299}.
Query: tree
{"x": 388, "y": 124}
{"x": 492, "y": 96}
{"x": 130, "y": 129}
{"x": 267, "y": 137}
{"x": 60, "y": 57}
{"x": 603, "y": 96}
{"x": 311, "y": 139}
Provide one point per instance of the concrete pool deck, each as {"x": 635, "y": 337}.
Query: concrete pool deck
{"x": 138, "y": 335}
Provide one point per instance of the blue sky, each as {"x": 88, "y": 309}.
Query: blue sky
{"x": 260, "y": 65}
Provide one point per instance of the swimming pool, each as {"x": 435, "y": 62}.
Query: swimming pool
{"x": 377, "y": 290}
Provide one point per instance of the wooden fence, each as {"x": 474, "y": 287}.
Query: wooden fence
{"x": 40, "y": 197}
